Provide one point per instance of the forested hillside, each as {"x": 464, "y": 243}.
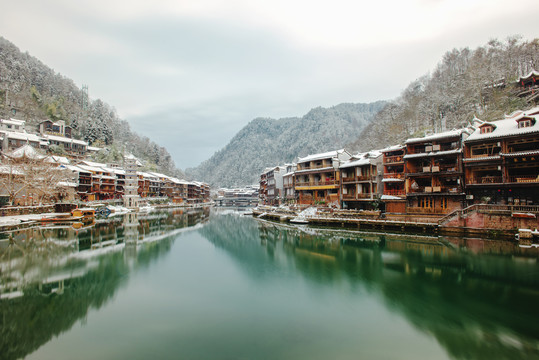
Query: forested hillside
{"x": 269, "y": 142}
{"x": 465, "y": 83}
{"x": 31, "y": 91}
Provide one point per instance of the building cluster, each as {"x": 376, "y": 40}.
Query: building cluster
{"x": 87, "y": 180}
{"x": 238, "y": 197}
{"x": 488, "y": 162}
{"x": 98, "y": 181}
{"x": 15, "y": 133}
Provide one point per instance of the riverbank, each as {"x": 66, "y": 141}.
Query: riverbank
{"x": 22, "y": 221}
{"x": 478, "y": 221}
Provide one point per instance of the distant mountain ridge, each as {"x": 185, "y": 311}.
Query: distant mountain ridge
{"x": 32, "y": 91}
{"x": 266, "y": 142}
{"x": 466, "y": 83}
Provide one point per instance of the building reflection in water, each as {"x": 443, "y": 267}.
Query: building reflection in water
{"x": 70, "y": 269}
{"x": 475, "y": 297}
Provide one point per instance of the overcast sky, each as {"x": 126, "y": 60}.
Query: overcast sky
{"x": 190, "y": 74}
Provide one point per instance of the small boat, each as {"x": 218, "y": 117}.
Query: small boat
{"x": 60, "y": 218}
{"x": 523, "y": 215}
{"x": 75, "y": 215}
{"x": 83, "y": 212}
{"x": 146, "y": 208}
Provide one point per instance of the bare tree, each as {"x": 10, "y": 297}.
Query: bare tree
{"x": 31, "y": 177}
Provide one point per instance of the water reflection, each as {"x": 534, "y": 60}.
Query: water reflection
{"x": 477, "y": 298}
{"x": 52, "y": 276}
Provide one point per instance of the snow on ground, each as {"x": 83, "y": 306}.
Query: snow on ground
{"x": 18, "y": 219}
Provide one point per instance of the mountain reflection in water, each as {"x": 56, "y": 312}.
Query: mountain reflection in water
{"x": 237, "y": 287}
{"x": 51, "y": 276}
{"x": 478, "y": 298}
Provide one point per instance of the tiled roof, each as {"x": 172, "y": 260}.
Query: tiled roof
{"x": 482, "y": 158}
{"x": 320, "y": 156}
{"x": 438, "y": 136}
{"x": 354, "y": 163}
{"x": 392, "y": 180}
{"x": 507, "y": 127}
{"x": 521, "y": 153}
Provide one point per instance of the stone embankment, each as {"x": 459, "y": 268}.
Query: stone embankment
{"x": 490, "y": 221}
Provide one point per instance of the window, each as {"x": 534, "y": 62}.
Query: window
{"x": 486, "y": 129}
{"x": 443, "y": 203}
{"x": 524, "y": 123}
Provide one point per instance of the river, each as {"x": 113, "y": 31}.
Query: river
{"x": 211, "y": 284}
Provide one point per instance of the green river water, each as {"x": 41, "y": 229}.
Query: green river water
{"x": 212, "y": 284}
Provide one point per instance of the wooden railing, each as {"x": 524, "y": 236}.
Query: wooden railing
{"x": 317, "y": 183}
{"x": 394, "y": 176}
{"x": 393, "y": 159}
{"x": 314, "y": 167}
{"x": 395, "y": 192}
{"x": 436, "y": 189}
{"x": 524, "y": 179}
{"x": 485, "y": 180}
{"x": 488, "y": 208}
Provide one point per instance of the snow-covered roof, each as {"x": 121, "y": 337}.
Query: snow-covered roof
{"x": 320, "y": 156}
{"x": 354, "y": 163}
{"x": 88, "y": 168}
{"x": 314, "y": 170}
{"x": 13, "y": 122}
{"x": 27, "y": 151}
{"x": 433, "y": 153}
{"x": 412, "y": 156}
{"x": 530, "y": 74}
{"x": 392, "y": 180}
{"x": 393, "y": 148}
{"x": 446, "y": 152}
{"x": 93, "y": 163}
{"x": 482, "y": 158}
{"x": 76, "y": 168}
{"x": 58, "y": 160}
{"x": 507, "y": 127}
{"x": 437, "y": 136}
{"x": 64, "y": 139}
{"x": 118, "y": 171}
{"x": 390, "y": 197}
{"x": 147, "y": 175}
{"x": 15, "y": 170}
{"x": 21, "y": 136}
{"x": 521, "y": 153}
{"x": 67, "y": 184}
{"x": 159, "y": 175}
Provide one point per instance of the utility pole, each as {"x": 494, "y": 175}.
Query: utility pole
{"x": 84, "y": 97}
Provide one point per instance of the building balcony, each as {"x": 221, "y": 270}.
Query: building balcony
{"x": 361, "y": 196}
{"x": 421, "y": 210}
{"x": 313, "y": 167}
{"x": 395, "y": 192}
{"x": 394, "y": 175}
{"x": 393, "y": 159}
{"x": 435, "y": 190}
{"x": 359, "y": 178}
{"x": 523, "y": 179}
{"x": 484, "y": 180}
{"x": 317, "y": 183}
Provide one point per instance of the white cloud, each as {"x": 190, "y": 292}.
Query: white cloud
{"x": 169, "y": 63}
